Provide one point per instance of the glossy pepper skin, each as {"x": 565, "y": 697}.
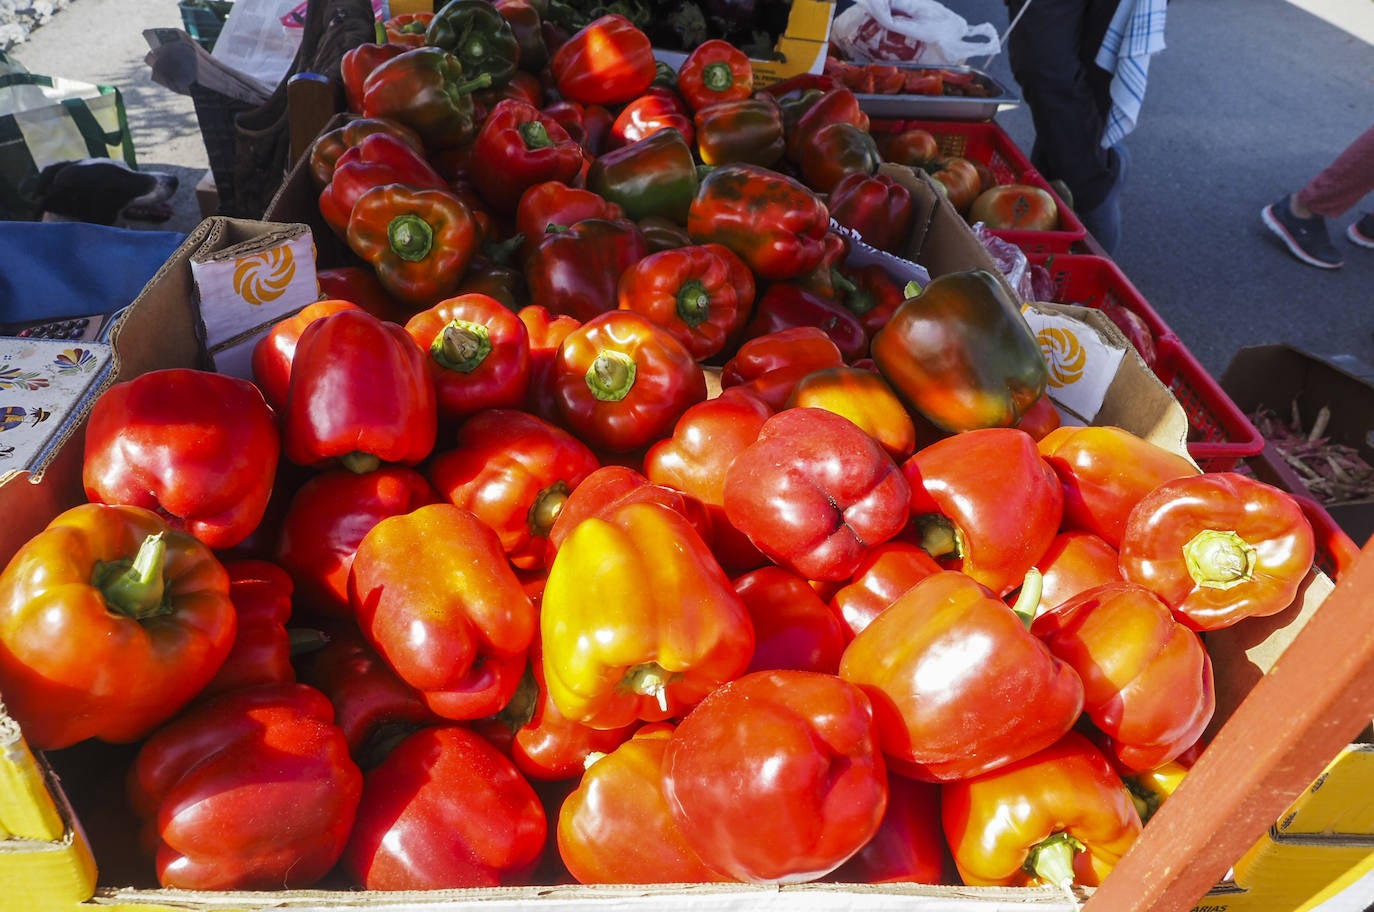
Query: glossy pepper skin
{"x": 199, "y": 448}
{"x": 655, "y": 175}
{"x": 327, "y": 519}
{"x": 428, "y": 90}
{"x": 658, "y": 108}
{"x": 261, "y": 593}
{"x": 1010, "y": 698}
{"x": 909, "y": 846}
{"x": 516, "y": 472}
{"x": 329, "y": 146}
{"x": 984, "y": 502}
{"x": 702, "y": 294}
{"x": 877, "y": 207}
{"x": 1063, "y": 811}
{"x": 616, "y": 826}
{"x": 360, "y": 394}
{"x": 253, "y": 790}
{"x": 357, "y": 64}
{"x": 547, "y": 332}
{"x": 576, "y": 271}
{"x": 793, "y": 626}
{"x": 621, "y": 381}
{"x": 776, "y": 224}
{"x": 111, "y": 621}
{"x": 1147, "y": 679}
{"x": 776, "y": 777}
{"x": 1218, "y": 548}
{"x": 526, "y": 24}
{"x": 455, "y": 624}
{"x": 420, "y": 242}
{"x": 272, "y": 353}
{"x": 378, "y": 159}
{"x": 770, "y": 366}
{"x": 1104, "y": 472}
{"x": 836, "y": 151}
{"x": 864, "y": 398}
{"x": 888, "y": 570}
{"x": 475, "y": 32}
{"x": 787, "y": 305}
{"x": 620, "y": 643}
{"x": 1075, "y": 562}
{"x": 715, "y": 71}
{"x": 814, "y": 492}
{"x": 836, "y": 105}
{"x": 479, "y": 354}
{"x": 609, "y": 61}
{"x": 517, "y": 147}
{"x": 445, "y": 810}
{"x": 743, "y": 130}
{"x": 551, "y": 206}
{"x": 961, "y": 353}
{"x": 610, "y": 487}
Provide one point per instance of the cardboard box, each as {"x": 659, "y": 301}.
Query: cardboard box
{"x": 160, "y": 331}
{"x": 1282, "y": 378}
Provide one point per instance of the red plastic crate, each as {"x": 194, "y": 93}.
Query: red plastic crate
{"x": 1219, "y": 433}
{"x": 989, "y": 143}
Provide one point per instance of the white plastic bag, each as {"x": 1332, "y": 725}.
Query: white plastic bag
{"x": 911, "y": 31}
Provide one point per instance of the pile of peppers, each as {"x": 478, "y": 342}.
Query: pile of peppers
{"x": 603, "y": 525}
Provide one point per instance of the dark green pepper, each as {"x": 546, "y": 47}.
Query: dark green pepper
{"x": 655, "y": 176}
{"x": 742, "y": 130}
{"x": 961, "y": 354}
{"x": 480, "y": 37}
{"x": 426, "y": 89}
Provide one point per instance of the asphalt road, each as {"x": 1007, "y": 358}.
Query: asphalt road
{"x": 1249, "y": 99}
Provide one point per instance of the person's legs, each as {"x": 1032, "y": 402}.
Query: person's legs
{"x": 1341, "y": 184}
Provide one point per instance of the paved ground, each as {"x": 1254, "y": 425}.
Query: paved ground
{"x": 1250, "y": 98}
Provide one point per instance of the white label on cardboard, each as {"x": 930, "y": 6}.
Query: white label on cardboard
{"x": 45, "y": 385}
{"x": 1081, "y": 363}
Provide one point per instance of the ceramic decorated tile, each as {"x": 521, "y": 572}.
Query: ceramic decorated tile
{"x": 44, "y": 385}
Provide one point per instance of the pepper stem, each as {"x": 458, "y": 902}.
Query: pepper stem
{"x": 545, "y": 509}
{"x": 1028, "y": 599}
{"x": 717, "y": 76}
{"x": 535, "y": 135}
{"x": 411, "y": 237}
{"x": 1051, "y": 861}
{"x": 461, "y": 345}
{"x": 649, "y": 680}
{"x": 360, "y": 463}
{"x": 1219, "y": 559}
{"x": 135, "y": 588}
{"x": 467, "y": 86}
{"x": 611, "y": 376}
{"x": 939, "y": 537}
{"x": 693, "y": 303}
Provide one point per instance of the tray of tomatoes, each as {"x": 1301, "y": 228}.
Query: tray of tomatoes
{"x": 912, "y": 90}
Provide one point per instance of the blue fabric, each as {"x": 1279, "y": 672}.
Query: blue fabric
{"x": 1136, "y": 33}
{"x": 50, "y": 270}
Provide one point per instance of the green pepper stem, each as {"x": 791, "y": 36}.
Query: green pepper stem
{"x": 911, "y": 289}
{"x": 1051, "y": 861}
{"x": 305, "y": 640}
{"x": 360, "y": 463}
{"x": 1028, "y": 599}
{"x": 611, "y": 376}
{"x": 461, "y": 346}
{"x": 1219, "y": 559}
{"x": 535, "y": 135}
{"x": 693, "y": 303}
{"x": 649, "y": 680}
{"x": 1145, "y": 799}
{"x": 468, "y": 86}
{"x": 411, "y": 237}
{"x": 939, "y": 537}
{"x": 548, "y": 503}
{"x": 135, "y": 588}
{"x": 717, "y": 76}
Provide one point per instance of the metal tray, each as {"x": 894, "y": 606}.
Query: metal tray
{"x": 940, "y": 107}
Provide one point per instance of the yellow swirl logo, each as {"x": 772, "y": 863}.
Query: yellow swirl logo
{"x": 265, "y": 276}
{"x": 1064, "y": 355}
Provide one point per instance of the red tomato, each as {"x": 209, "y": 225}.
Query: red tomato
{"x": 1020, "y": 207}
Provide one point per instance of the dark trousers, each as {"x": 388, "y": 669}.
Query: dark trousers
{"x": 1051, "y": 53}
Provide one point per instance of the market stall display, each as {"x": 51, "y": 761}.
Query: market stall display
{"x": 740, "y": 430}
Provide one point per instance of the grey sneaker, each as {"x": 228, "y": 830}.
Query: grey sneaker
{"x": 1362, "y": 232}
{"x": 1307, "y": 239}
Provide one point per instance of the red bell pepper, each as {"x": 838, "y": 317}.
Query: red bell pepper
{"x": 984, "y": 502}
{"x": 551, "y": 206}
{"x": 330, "y": 145}
{"x": 703, "y": 294}
{"x": 638, "y": 621}
{"x": 110, "y": 622}
{"x": 359, "y": 285}
{"x": 909, "y": 846}
{"x": 772, "y": 221}
{"x": 616, "y": 826}
{"x": 835, "y": 151}
{"x": 1218, "y": 548}
{"x": 877, "y": 207}
{"x": 547, "y": 331}
{"x": 589, "y": 124}
{"x": 655, "y": 175}
{"x": 607, "y": 62}
{"x": 517, "y": 147}
{"x": 747, "y": 130}
{"x": 864, "y": 398}
{"x": 1011, "y": 697}
{"x": 360, "y": 393}
{"x": 715, "y": 71}
{"x": 816, "y": 789}
{"x": 407, "y": 28}
{"x": 610, "y": 487}
{"x": 770, "y": 366}
{"x": 419, "y": 241}
{"x": 273, "y": 352}
{"x": 436, "y": 597}
{"x": 357, "y": 63}
{"x": 427, "y": 89}
{"x": 199, "y": 448}
{"x": 516, "y": 472}
{"x": 887, "y": 571}
{"x": 874, "y": 296}
{"x": 445, "y": 810}
{"x": 622, "y": 381}
{"x": 1075, "y": 562}
{"x": 657, "y": 108}
{"x": 814, "y": 492}
{"x": 261, "y": 592}
{"x": 376, "y": 160}
{"x": 1104, "y": 472}
{"x": 1061, "y": 816}
{"x": 525, "y": 23}
{"x": 328, "y": 517}
{"x": 253, "y": 790}
{"x": 1147, "y": 679}
{"x": 836, "y": 105}
{"x": 479, "y": 354}
{"x": 576, "y": 271}
{"x": 793, "y": 626}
